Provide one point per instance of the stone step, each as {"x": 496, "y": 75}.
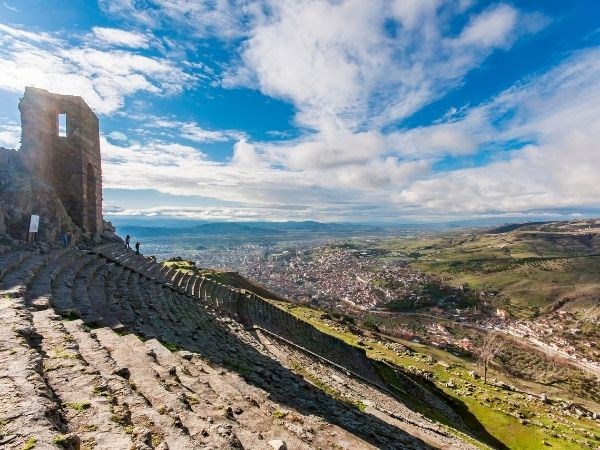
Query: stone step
{"x": 181, "y": 321}
{"x": 144, "y": 320}
{"x": 177, "y": 277}
{"x": 121, "y": 299}
{"x": 98, "y": 294}
{"x": 115, "y": 307}
{"x": 88, "y": 413}
{"x": 167, "y": 328}
{"x": 86, "y": 293}
{"x": 27, "y": 409}
{"x": 108, "y": 248}
{"x": 12, "y": 259}
{"x": 15, "y": 281}
{"x": 120, "y": 253}
{"x": 136, "y": 263}
{"x": 39, "y": 289}
{"x": 151, "y": 424}
{"x": 167, "y": 274}
{"x": 180, "y": 286}
{"x": 155, "y": 270}
{"x": 145, "y": 265}
{"x": 126, "y": 260}
{"x": 62, "y": 287}
{"x": 211, "y": 391}
{"x": 158, "y": 384}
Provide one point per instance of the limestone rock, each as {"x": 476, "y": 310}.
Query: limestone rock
{"x": 278, "y": 444}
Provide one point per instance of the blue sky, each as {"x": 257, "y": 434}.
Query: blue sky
{"x": 353, "y": 110}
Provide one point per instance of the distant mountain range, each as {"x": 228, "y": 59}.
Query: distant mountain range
{"x": 164, "y": 227}
{"x": 250, "y": 228}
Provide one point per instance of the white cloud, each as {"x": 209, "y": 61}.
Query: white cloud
{"x": 17, "y": 33}
{"x": 559, "y": 112}
{"x": 245, "y": 154}
{"x": 9, "y": 7}
{"x": 338, "y": 174}
{"x": 412, "y": 13}
{"x": 492, "y": 28}
{"x": 338, "y": 65}
{"x": 118, "y": 136}
{"x": 10, "y": 135}
{"x": 189, "y": 130}
{"x": 334, "y": 60}
{"x": 222, "y": 18}
{"x": 235, "y": 213}
{"x": 102, "y": 77}
{"x": 116, "y": 36}
{"x": 196, "y": 133}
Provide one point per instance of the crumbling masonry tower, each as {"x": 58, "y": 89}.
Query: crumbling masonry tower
{"x": 66, "y": 158}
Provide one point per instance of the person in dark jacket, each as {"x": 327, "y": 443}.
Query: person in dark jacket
{"x": 137, "y": 248}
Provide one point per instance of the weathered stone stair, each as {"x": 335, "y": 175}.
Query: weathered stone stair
{"x": 116, "y": 352}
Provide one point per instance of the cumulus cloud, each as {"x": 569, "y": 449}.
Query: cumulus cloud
{"x": 554, "y": 115}
{"x": 559, "y": 112}
{"x": 337, "y": 62}
{"x": 103, "y": 77}
{"x": 245, "y": 154}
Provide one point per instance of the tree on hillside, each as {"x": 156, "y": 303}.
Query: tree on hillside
{"x": 490, "y": 347}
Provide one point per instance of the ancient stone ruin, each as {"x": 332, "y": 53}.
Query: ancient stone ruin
{"x": 57, "y": 172}
{"x": 67, "y": 159}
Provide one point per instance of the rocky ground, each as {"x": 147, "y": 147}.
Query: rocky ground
{"x": 95, "y": 354}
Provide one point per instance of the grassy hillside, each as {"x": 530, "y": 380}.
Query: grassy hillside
{"x": 532, "y": 267}
{"x": 233, "y": 279}
{"x": 506, "y": 412}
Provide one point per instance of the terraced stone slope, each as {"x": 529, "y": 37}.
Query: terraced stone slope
{"x": 106, "y": 349}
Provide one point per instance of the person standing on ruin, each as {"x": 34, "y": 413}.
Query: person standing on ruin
{"x": 65, "y": 239}
{"x": 127, "y": 241}
{"x": 137, "y": 248}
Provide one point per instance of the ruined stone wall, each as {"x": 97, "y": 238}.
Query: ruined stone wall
{"x": 253, "y": 310}
{"x": 22, "y": 195}
{"x": 71, "y": 164}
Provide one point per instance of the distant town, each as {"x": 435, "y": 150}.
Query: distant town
{"x": 346, "y": 277}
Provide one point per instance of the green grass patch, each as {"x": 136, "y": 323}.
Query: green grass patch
{"x": 171, "y": 346}
{"x": 280, "y": 414}
{"x": 70, "y": 315}
{"x": 181, "y": 264}
{"x": 79, "y": 406}
{"x": 31, "y": 442}
{"x": 61, "y": 440}
{"x": 62, "y": 353}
